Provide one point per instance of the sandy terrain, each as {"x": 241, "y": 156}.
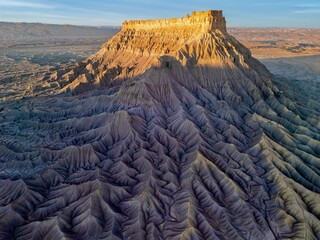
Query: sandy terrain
{"x": 299, "y": 74}
{"x": 279, "y": 42}
{"x": 29, "y": 51}
{"x": 22, "y": 67}
{"x": 304, "y": 68}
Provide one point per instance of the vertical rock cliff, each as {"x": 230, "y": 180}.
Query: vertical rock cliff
{"x": 171, "y": 131}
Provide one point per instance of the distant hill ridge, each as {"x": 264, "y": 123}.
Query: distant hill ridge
{"x": 20, "y": 33}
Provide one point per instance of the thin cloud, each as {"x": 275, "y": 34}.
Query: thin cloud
{"x": 6, "y": 3}
{"x": 309, "y": 5}
{"x": 310, "y": 11}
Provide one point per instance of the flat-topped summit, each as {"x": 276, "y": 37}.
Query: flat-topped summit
{"x": 206, "y": 20}
{"x": 199, "y": 39}
{"x": 166, "y": 36}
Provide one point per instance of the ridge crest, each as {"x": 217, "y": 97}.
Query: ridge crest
{"x": 204, "y": 20}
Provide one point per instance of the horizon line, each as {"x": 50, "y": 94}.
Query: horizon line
{"x": 120, "y": 25}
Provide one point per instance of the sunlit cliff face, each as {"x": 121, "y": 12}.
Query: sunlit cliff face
{"x": 204, "y": 21}
{"x": 142, "y": 45}
{"x": 171, "y": 131}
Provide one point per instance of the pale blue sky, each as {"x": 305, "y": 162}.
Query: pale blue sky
{"x": 244, "y": 13}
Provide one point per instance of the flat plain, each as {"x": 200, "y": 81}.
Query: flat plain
{"x": 279, "y": 42}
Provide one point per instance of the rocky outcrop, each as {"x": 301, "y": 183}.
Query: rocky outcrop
{"x": 203, "y": 21}
{"x": 199, "y": 38}
{"x": 194, "y": 143}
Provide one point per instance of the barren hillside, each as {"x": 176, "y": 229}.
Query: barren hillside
{"x": 171, "y": 131}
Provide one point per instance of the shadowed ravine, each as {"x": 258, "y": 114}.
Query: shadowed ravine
{"x": 198, "y": 147}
